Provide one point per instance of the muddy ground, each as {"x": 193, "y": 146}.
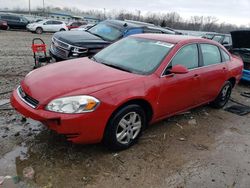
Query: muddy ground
{"x": 203, "y": 148}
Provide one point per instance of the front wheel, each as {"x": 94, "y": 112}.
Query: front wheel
{"x": 125, "y": 127}
{"x": 223, "y": 96}
{"x": 62, "y": 30}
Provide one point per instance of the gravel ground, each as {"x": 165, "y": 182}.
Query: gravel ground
{"x": 202, "y": 148}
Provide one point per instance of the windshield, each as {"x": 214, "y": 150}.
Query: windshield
{"x": 106, "y": 32}
{"x": 140, "y": 56}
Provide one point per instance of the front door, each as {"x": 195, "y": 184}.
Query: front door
{"x": 180, "y": 91}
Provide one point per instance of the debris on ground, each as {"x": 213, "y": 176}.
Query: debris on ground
{"x": 245, "y": 94}
{"x": 192, "y": 122}
{"x": 238, "y": 109}
{"x": 28, "y": 173}
{"x": 4, "y": 102}
{"x": 178, "y": 125}
{"x": 182, "y": 139}
{"x": 200, "y": 147}
{"x": 3, "y": 178}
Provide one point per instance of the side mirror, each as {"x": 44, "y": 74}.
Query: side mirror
{"x": 179, "y": 69}
{"x": 44, "y": 23}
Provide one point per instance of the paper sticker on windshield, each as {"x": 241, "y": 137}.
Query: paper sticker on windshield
{"x": 167, "y": 45}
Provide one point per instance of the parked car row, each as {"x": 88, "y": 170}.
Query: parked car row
{"x": 14, "y": 21}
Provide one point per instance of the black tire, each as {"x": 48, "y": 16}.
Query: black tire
{"x": 39, "y": 30}
{"x": 62, "y": 30}
{"x": 224, "y": 96}
{"x": 113, "y": 128}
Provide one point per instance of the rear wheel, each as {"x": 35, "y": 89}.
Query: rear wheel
{"x": 125, "y": 127}
{"x": 223, "y": 96}
{"x": 39, "y": 30}
{"x": 62, "y": 29}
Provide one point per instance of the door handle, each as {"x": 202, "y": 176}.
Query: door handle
{"x": 196, "y": 76}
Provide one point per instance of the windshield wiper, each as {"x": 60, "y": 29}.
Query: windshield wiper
{"x": 98, "y": 36}
{"x": 117, "y": 67}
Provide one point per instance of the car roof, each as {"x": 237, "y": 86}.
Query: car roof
{"x": 124, "y": 25}
{"x": 173, "y": 39}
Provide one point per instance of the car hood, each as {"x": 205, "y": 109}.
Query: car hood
{"x": 79, "y": 38}
{"x": 241, "y": 39}
{"x": 74, "y": 77}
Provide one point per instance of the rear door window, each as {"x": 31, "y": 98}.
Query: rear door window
{"x": 49, "y": 22}
{"x": 226, "y": 40}
{"x": 217, "y": 38}
{"x": 187, "y": 56}
{"x": 211, "y": 54}
{"x": 57, "y": 22}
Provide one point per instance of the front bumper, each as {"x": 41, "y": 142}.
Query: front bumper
{"x": 32, "y": 29}
{"x": 246, "y": 75}
{"x": 83, "y": 128}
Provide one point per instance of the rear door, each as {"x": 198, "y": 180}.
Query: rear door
{"x": 181, "y": 91}
{"x": 213, "y": 72}
{"x": 57, "y": 25}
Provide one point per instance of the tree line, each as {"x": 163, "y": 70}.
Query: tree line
{"x": 171, "y": 19}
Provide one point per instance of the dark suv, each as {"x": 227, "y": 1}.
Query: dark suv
{"x": 14, "y": 21}
{"x": 74, "y": 44}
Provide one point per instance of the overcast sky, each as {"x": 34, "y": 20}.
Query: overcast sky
{"x": 230, "y": 11}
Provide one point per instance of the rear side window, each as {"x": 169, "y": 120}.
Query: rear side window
{"x": 15, "y": 18}
{"x": 217, "y": 38}
{"x": 149, "y": 30}
{"x": 187, "y": 56}
{"x": 211, "y": 54}
{"x": 49, "y": 22}
{"x": 225, "y": 55}
{"x": 226, "y": 40}
{"x": 57, "y": 22}
{"x": 6, "y": 17}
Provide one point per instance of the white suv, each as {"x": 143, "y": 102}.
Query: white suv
{"x": 47, "y": 26}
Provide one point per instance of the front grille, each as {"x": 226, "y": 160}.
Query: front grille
{"x": 60, "y": 44}
{"x": 60, "y": 52}
{"x": 26, "y": 98}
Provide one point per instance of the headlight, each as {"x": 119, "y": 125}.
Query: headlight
{"x": 73, "y": 105}
{"x": 79, "y": 50}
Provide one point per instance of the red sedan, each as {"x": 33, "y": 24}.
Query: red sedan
{"x": 134, "y": 82}
{"x": 3, "y": 25}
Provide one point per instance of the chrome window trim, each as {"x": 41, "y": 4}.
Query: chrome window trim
{"x": 162, "y": 74}
{"x": 19, "y": 95}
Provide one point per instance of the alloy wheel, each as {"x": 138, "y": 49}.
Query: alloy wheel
{"x": 128, "y": 128}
